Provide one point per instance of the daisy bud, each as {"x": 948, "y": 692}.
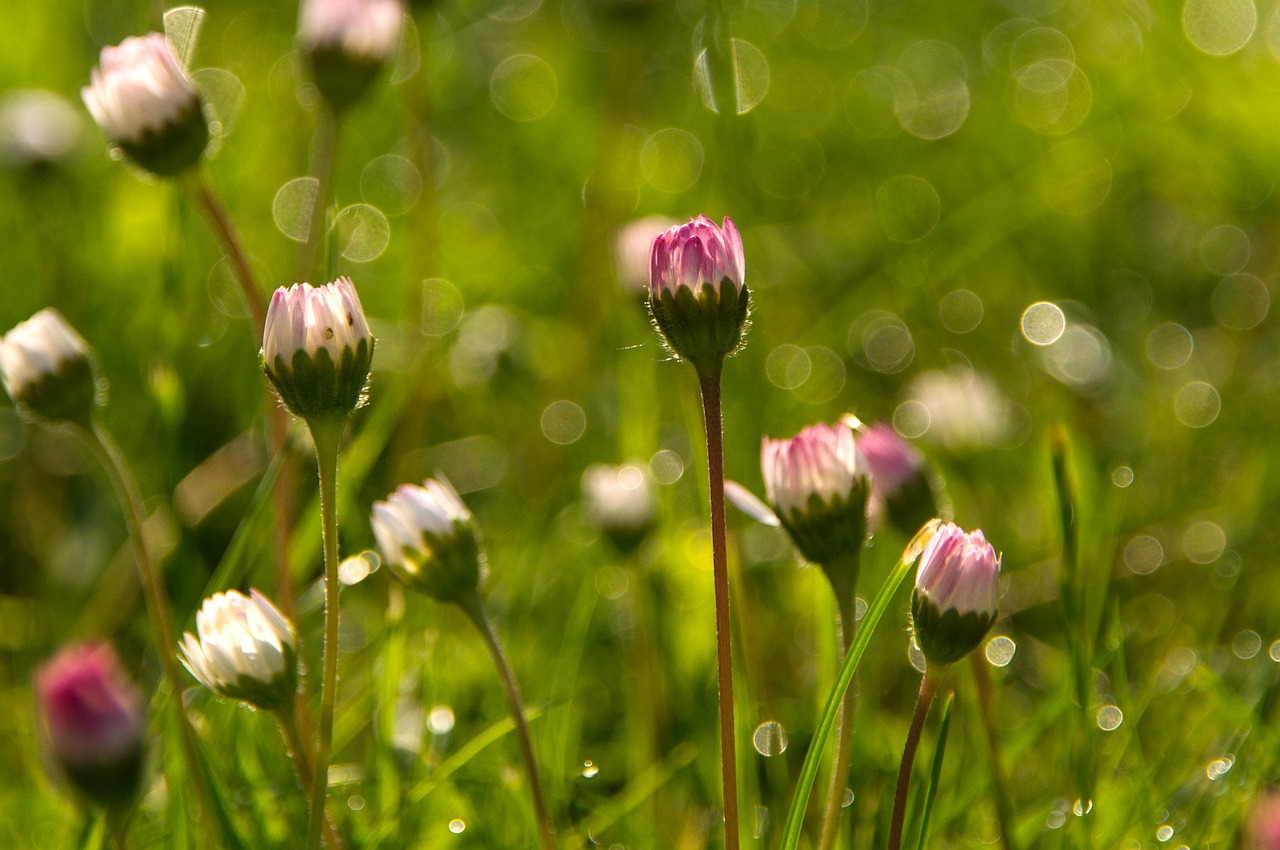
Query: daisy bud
{"x": 817, "y": 484}
{"x": 92, "y": 723}
{"x": 347, "y": 43}
{"x": 143, "y": 100}
{"x": 620, "y": 501}
{"x": 631, "y": 246}
{"x": 246, "y": 650}
{"x": 954, "y": 603}
{"x": 317, "y": 348}
{"x": 48, "y": 369}
{"x": 900, "y": 480}
{"x": 428, "y": 538}
{"x": 696, "y": 291}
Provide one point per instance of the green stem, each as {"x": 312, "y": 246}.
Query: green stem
{"x": 226, "y": 233}
{"x": 709, "y": 383}
{"x": 324, "y": 148}
{"x": 844, "y": 578}
{"x": 157, "y": 598}
{"x": 326, "y": 433}
{"x": 476, "y": 612}
{"x": 302, "y": 763}
{"x": 928, "y": 687}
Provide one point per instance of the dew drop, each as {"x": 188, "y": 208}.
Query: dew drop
{"x": 1080, "y": 808}
{"x": 1122, "y": 476}
{"x": 1000, "y": 651}
{"x": 590, "y": 769}
{"x": 1043, "y": 323}
{"x": 1246, "y": 644}
{"x": 440, "y": 721}
{"x": 770, "y": 739}
{"x": 1109, "y": 718}
{"x": 457, "y": 826}
{"x": 563, "y": 422}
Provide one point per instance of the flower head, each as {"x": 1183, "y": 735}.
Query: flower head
{"x": 92, "y": 722}
{"x": 900, "y": 481}
{"x": 48, "y": 369}
{"x": 317, "y": 348}
{"x": 246, "y": 650}
{"x": 817, "y": 483}
{"x": 621, "y": 503}
{"x": 347, "y": 42}
{"x": 428, "y": 538}
{"x": 142, "y": 98}
{"x": 37, "y": 128}
{"x": 954, "y": 602}
{"x": 697, "y": 290}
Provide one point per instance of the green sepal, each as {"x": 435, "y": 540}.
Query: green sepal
{"x": 826, "y": 532}
{"x": 315, "y": 387}
{"x": 702, "y": 327}
{"x": 946, "y": 636}
{"x": 114, "y": 785}
{"x": 447, "y": 568}
{"x": 175, "y": 147}
{"x": 275, "y": 695}
{"x": 67, "y": 395}
{"x": 341, "y": 77}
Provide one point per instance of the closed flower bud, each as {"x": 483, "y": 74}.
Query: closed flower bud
{"x": 246, "y": 650}
{"x": 428, "y": 538}
{"x": 697, "y": 294}
{"x": 92, "y": 723}
{"x": 620, "y": 501}
{"x": 817, "y": 484}
{"x": 143, "y": 100}
{"x": 631, "y": 246}
{"x": 954, "y": 602}
{"x": 900, "y": 480}
{"x": 48, "y": 369}
{"x": 317, "y": 348}
{"x": 347, "y": 42}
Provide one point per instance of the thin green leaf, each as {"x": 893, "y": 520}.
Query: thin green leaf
{"x": 936, "y": 772}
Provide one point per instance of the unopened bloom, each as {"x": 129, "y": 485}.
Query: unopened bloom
{"x": 631, "y": 248}
{"x": 92, "y": 723}
{"x": 145, "y": 102}
{"x": 697, "y": 293}
{"x": 428, "y": 538}
{"x": 817, "y": 483}
{"x": 954, "y": 602}
{"x": 620, "y": 501}
{"x": 900, "y": 482}
{"x": 347, "y": 42}
{"x": 37, "y": 128}
{"x": 48, "y": 369}
{"x": 246, "y": 650}
{"x": 317, "y": 348}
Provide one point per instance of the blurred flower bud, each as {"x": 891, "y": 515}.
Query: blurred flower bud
{"x": 818, "y": 485}
{"x": 37, "y": 128}
{"x": 1264, "y": 823}
{"x": 696, "y": 291}
{"x": 620, "y": 501}
{"x": 631, "y": 250}
{"x": 954, "y": 603}
{"x": 317, "y": 348}
{"x": 900, "y": 480}
{"x": 347, "y": 43}
{"x": 428, "y": 539}
{"x": 143, "y": 100}
{"x": 246, "y": 650}
{"x": 48, "y": 369}
{"x": 92, "y": 723}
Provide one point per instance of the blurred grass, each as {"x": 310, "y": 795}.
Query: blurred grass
{"x": 1118, "y": 219}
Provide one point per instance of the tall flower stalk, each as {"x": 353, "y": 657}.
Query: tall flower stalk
{"x": 953, "y": 607}
{"x": 698, "y": 300}
{"x": 430, "y": 542}
{"x": 316, "y": 352}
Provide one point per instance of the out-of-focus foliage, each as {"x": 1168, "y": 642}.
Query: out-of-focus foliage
{"x": 971, "y": 219}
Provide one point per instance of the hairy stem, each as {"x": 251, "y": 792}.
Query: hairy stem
{"x": 928, "y": 687}
{"x": 475, "y": 610}
{"x": 709, "y": 383}
{"x": 302, "y": 763}
{"x": 326, "y": 432}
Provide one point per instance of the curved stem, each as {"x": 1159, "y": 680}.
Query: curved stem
{"x": 326, "y": 432}
{"x": 475, "y": 610}
{"x": 709, "y": 383}
{"x": 226, "y": 232}
{"x": 324, "y": 148}
{"x": 928, "y": 687}
{"x": 302, "y": 764}
{"x": 157, "y": 598}
{"x": 844, "y": 732}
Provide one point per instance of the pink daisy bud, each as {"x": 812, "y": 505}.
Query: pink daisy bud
{"x": 317, "y": 348}
{"x": 954, "y": 603}
{"x": 900, "y": 480}
{"x": 697, "y": 294}
{"x": 92, "y": 723}
{"x": 143, "y": 100}
{"x": 347, "y": 42}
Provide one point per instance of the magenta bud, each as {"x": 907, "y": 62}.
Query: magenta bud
{"x": 92, "y": 722}
{"x": 901, "y": 483}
